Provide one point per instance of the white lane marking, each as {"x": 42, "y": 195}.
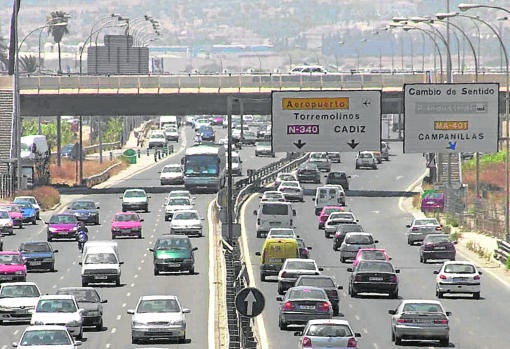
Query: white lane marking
{"x": 129, "y": 293}
{"x": 118, "y": 317}
{"x": 113, "y": 330}
{"x": 212, "y": 267}
{"x": 123, "y": 305}
{"x": 259, "y": 320}
{"x": 140, "y": 268}
{"x": 399, "y": 178}
{"x": 136, "y": 277}
{"x": 108, "y": 345}
{"x": 356, "y": 317}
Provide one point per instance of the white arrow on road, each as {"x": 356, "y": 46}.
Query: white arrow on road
{"x": 250, "y": 299}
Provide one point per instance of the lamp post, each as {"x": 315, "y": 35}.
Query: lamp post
{"x": 465, "y": 7}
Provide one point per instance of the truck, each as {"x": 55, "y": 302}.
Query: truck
{"x": 168, "y": 120}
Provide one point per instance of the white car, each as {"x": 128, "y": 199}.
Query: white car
{"x": 366, "y": 159}
{"x": 336, "y": 218}
{"x": 47, "y": 336}
{"x": 171, "y": 133}
{"x": 157, "y": 139}
{"x": 272, "y": 195}
{"x": 328, "y": 333}
{"x": 264, "y": 148}
{"x": 18, "y": 300}
{"x": 158, "y": 317}
{"x": 5, "y": 223}
{"x": 177, "y": 204}
{"x": 179, "y": 194}
{"x": 292, "y": 190}
{"x": 61, "y": 309}
{"x": 171, "y": 174}
{"x": 458, "y": 277}
{"x": 308, "y": 70}
{"x": 353, "y": 241}
{"x": 293, "y": 268}
{"x": 135, "y": 199}
{"x": 284, "y": 176}
{"x": 32, "y": 200}
{"x": 282, "y": 233}
{"x": 201, "y": 122}
{"x": 186, "y": 222}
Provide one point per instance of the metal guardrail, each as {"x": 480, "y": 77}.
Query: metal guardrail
{"x": 231, "y": 82}
{"x": 106, "y": 146}
{"x": 502, "y": 252}
{"x": 100, "y": 177}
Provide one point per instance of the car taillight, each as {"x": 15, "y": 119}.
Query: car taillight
{"x": 442, "y": 276}
{"x": 288, "y": 306}
{"x": 352, "y": 343}
{"x": 284, "y": 274}
{"x": 414, "y": 229}
{"x": 439, "y": 228}
{"x": 324, "y": 307}
{"x": 358, "y": 278}
{"x": 258, "y": 221}
{"x": 307, "y": 342}
{"x": 404, "y": 321}
{"x": 441, "y": 322}
{"x": 476, "y": 277}
{"x": 393, "y": 278}
{"x": 291, "y": 223}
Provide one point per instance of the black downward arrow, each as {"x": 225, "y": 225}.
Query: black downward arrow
{"x": 299, "y": 144}
{"x": 353, "y": 144}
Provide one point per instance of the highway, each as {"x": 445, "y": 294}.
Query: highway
{"x": 137, "y": 273}
{"x": 475, "y": 324}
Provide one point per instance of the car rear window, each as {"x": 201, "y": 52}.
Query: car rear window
{"x": 275, "y": 209}
{"x": 329, "y": 330}
{"x": 317, "y": 282}
{"x": 359, "y": 239}
{"x": 306, "y": 293}
{"x": 422, "y": 307}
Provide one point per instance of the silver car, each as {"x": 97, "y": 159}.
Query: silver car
{"x": 158, "y": 317}
{"x": 333, "y": 333}
{"x": 336, "y": 218}
{"x": 301, "y": 304}
{"x": 186, "y": 222}
{"x": 291, "y": 190}
{"x": 353, "y": 241}
{"x": 421, "y": 227}
{"x": 420, "y": 319}
{"x": 366, "y": 159}
{"x": 292, "y": 269}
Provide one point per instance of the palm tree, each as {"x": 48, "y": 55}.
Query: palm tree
{"x": 58, "y": 31}
{"x": 4, "y": 59}
{"x": 28, "y": 64}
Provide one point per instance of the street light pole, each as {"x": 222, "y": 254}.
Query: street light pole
{"x": 465, "y": 7}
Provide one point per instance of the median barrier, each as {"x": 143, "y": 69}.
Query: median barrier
{"x": 502, "y": 252}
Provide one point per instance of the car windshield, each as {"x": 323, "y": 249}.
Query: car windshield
{"x": 45, "y": 337}
{"x": 35, "y": 247}
{"x": 372, "y": 255}
{"x": 63, "y": 219}
{"x": 300, "y": 265}
{"x": 83, "y": 205}
{"x": 282, "y": 232}
{"x": 459, "y": 269}
{"x": 359, "y": 239}
{"x": 10, "y": 208}
{"x": 24, "y": 204}
{"x": 25, "y": 198}
{"x": 172, "y": 244}
{"x": 306, "y": 293}
{"x": 277, "y": 195}
{"x": 82, "y": 295}
{"x": 4, "y": 215}
{"x": 290, "y": 184}
{"x": 158, "y": 306}
{"x": 436, "y": 239}
{"x": 347, "y": 228}
{"x": 10, "y": 259}
{"x": 186, "y": 215}
{"x": 135, "y": 194}
{"x": 101, "y": 258}
{"x": 365, "y": 155}
{"x": 56, "y": 306}
{"x": 328, "y": 330}
{"x": 316, "y": 282}
{"x": 127, "y": 217}
{"x": 426, "y": 222}
{"x": 422, "y": 308}
{"x": 337, "y": 175}
{"x": 375, "y": 267}
{"x": 179, "y": 202}
{"x": 19, "y": 291}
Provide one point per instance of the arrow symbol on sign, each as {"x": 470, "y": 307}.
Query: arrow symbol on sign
{"x": 250, "y": 300}
{"x": 353, "y": 144}
{"x": 366, "y": 102}
{"x": 299, "y": 144}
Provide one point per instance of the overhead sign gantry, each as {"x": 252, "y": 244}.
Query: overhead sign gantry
{"x": 333, "y": 120}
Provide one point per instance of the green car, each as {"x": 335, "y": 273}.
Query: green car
{"x": 173, "y": 253}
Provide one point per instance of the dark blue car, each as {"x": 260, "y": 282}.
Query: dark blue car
{"x": 85, "y": 211}
{"x": 38, "y": 255}
{"x": 28, "y": 211}
{"x": 207, "y": 133}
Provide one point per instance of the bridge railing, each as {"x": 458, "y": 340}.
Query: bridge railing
{"x": 226, "y": 82}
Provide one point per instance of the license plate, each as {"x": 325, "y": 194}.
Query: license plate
{"x": 155, "y": 329}
{"x": 375, "y": 278}
{"x": 5, "y": 277}
{"x": 62, "y": 232}
{"x": 34, "y": 263}
{"x": 307, "y": 307}
{"x": 275, "y": 260}
{"x": 440, "y": 248}
{"x": 174, "y": 265}
{"x": 423, "y": 321}
{"x": 100, "y": 277}
{"x": 459, "y": 279}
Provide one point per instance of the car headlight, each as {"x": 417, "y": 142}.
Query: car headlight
{"x": 52, "y": 230}
{"x": 188, "y": 260}
{"x": 139, "y": 323}
{"x": 115, "y": 229}
{"x": 48, "y": 259}
{"x": 159, "y": 260}
{"x": 73, "y": 323}
{"x": 19, "y": 272}
{"x": 178, "y": 323}
{"x": 38, "y": 322}
{"x": 92, "y": 313}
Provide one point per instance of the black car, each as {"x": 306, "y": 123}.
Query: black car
{"x": 38, "y": 255}
{"x": 85, "y": 210}
{"x": 342, "y": 229}
{"x": 373, "y": 277}
{"x": 89, "y": 300}
{"x": 173, "y": 253}
{"x": 437, "y": 246}
{"x": 327, "y": 283}
{"x": 308, "y": 173}
{"x": 338, "y": 177}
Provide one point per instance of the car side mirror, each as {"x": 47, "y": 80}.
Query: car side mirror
{"x": 148, "y": 197}
{"x": 151, "y": 249}
{"x": 257, "y": 253}
{"x": 255, "y": 212}
{"x": 298, "y": 333}
{"x": 194, "y": 249}
{"x": 77, "y": 343}
{"x": 55, "y": 251}
{"x": 80, "y": 263}
{"x": 408, "y": 225}
{"x": 397, "y": 271}
{"x": 435, "y": 272}
{"x": 480, "y": 273}
{"x": 357, "y": 335}
{"x": 349, "y": 269}
{"x": 120, "y": 197}
{"x": 348, "y": 176}
{"x": 279, "y": 298}
{"x": 309, "y": 248}
{"x": 389, "y": 258}
{"x": 339, "y": 287}
{"x": 131, "y": 311}
{"x": 104, "y": 301}
{"x": 14, "y": 344}
{"x": 186, "y": 311}
{"x": 141, "y": 220}
{"x": 392, "y": 312}
{"x": 121, "y": 263}
{"x": 376, "y": 241}
{"x": 448, "y": 313}
{"x": 320, "y": 269}
{"x": 294, "y": 212}
{"x": 97, "y": 207}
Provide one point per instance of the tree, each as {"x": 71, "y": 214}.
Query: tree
{"x": 58, "y": 28}
{"x": 4, "y": 59}
{"x": 28, "y": 64}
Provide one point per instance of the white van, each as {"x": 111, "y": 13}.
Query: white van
{"x": 34, "y": 146}
{"x": 329, "y": 195}
{"x": 237, "y": 164}
{"x": 274, "y": 214}
{"x": 100, "y": 264}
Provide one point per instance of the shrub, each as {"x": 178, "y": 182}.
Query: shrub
{"x": 455, "y": 236}
{"x": 46, "y": 196}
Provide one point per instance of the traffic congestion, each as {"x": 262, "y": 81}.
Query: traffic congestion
{"x": 339, "y": 263}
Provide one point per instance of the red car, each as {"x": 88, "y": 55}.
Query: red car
{"x": 326, "y": 211}
{"x": 372, "y": 254}
{"x": 12, "y": 267}
{"x": 14, "y": 213}
{"x": 126, "y": 224}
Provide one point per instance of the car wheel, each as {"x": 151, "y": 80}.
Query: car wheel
{"x": 117, "y": 282}
{"x": 335, "y": 248}
{"x": 134, "y": 340}
{"x": 1, "y": 322}
{"x": 191, "y": 271}
{"x": 398, "y": 340}
{"x": 182, "y": 339}
{"x": 156, "y": 271}
{"x": 282, "y": 324}
{"x": 49, "y": 239}
{"x": 439, "y": 294}
{"x": 452, "y": 259}
{"x": 97, "y": 221}
{"x": 409, "y": 242}
{"x": 84, "y": 284}
{"x": 34, "y": 221}
{"x": 20, "y": 225}
{"x": 342, "y": 259}
{"x": 394, "y": 294}
{"x": 280, "y": 290}
{"x": 80, "y": 335}
{"x": 259, "y": 235}
{"x": 357, "y": 167}
{"x": 353, "y": 293}
{"x": 476, "y": 295}
{"x": 336, "y": 310}
{"x": 444, "y": 341}
{"x": 262, "y": 277}
{"x": 52, "y": 268}
{"x": 113, "y": 237}
{"x": 99, "y": 326}
{"x": 140, "y": 235}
